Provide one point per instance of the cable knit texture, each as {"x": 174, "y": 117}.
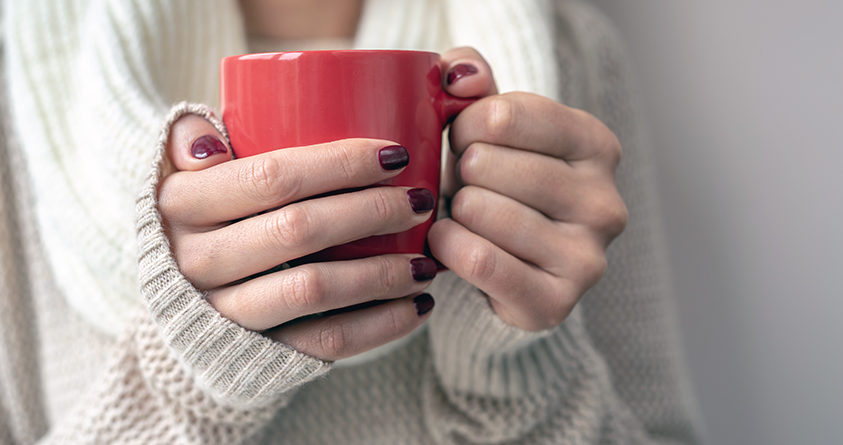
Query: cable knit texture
{"x": 86, "y": 357}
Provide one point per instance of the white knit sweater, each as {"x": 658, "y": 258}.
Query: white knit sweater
{"x": 85, "y": 357}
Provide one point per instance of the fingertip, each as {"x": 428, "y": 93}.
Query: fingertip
{"x": 451, "y": 243}
{"x": 467, "y": 74}
{"x": 440, "y": 228}
{"x": 346, "y": 334}
{"x": 438, "y": 238}
{"x": 459, "y": 71}
{"x": 421, "y": 200}
{"x": 423, "y": 304}
{"x": 195, "y": 144}
{"x": 393, "y": 157}
{"x": 207, "y": 145}
{"x": 468, "y": 78}
{"x": 423, "y": 269}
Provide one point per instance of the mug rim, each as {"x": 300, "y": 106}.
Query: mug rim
{"x": 288, "y": 55}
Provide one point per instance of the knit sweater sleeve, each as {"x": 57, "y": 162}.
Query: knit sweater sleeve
{"x": 610, "y": 373}
{"x": 91, "y": 81}
{"x": 182, "y": 373}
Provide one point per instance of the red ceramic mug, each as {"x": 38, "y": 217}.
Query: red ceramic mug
{"x": 276, "y": 100}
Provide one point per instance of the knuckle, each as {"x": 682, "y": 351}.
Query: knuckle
{"x": 461, "y": 205}
{"x": 470, "y": 162}
{"x": 387, "y": 276}
{"x": 556, "y": 316}
{"x": 261, "y": 179}
{"x": 246, "y": 308}
{"x": 589, "y": 121}
{"x": 289, "y": 227}
{"x": 597, "y": 267}
{"x": 553, "y": 307}
{"x": 618, "y": 219}
{"x": 606, "y": 142}
{"x": 592, "y": 266}
{"x": 612, "y": 147}
{"x": 609, "y": 214}
{"x": 343, "y": 155}
{"x": 393, "y": 322}
{"x": 562, "y": 303}
{"x": 332, "y": 339}
{"x": 192, "y": 265}
{"x": 381, "y": 204}
{"x": 500, "y": 116}
{"x": 302, "y": 290}
{"x": 481, "y": 263}
{"x": 224, "y": 305}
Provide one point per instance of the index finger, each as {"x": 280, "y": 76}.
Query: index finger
{"x": 535, "y": 123}
{"x": 247, "y": 186}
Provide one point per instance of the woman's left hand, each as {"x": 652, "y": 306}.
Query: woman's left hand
{"x": 536, "y": 204}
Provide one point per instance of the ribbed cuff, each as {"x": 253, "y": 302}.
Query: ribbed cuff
{"x": 238, "y": 367}
{"x": 475, "y": 352}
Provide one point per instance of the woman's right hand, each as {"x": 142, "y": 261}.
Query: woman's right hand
{"x": 228, "y": 220}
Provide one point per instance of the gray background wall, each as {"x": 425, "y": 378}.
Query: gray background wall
{"x": 745, "y": 104}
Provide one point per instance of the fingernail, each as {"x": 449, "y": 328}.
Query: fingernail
{"x": 393, "y": 157}
{"x": 206, "y": 146}
{"x": 423, "y": 304}
{"x": 421, "y": 200}
{"x": 459, "y": 71}
{"x": 423, "y": 269}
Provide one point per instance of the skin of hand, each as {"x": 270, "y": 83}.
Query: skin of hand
{"x": 534, "y": 202}
{"x": 534, "y": 207}
{"x": 230, "y": 220}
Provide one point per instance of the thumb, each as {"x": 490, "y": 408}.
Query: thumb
{"x": 467, "y": 74}
{"x": 195, "y": 144}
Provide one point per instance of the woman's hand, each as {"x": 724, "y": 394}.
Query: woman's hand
{"x": 269, "y": 197}
{"x": 536, "y": 204}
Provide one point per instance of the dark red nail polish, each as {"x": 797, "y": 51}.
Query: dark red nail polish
{"x": 423, "y": 269}
{"x": 206, "y": 146}
{"x": 393, "y": 157}
{"x": 423, "y": 304}
{"x": 421, "y": 200}
{"x": 459, "y": 71}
